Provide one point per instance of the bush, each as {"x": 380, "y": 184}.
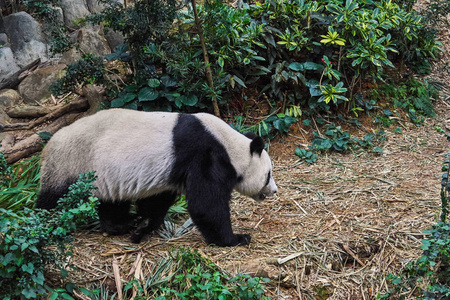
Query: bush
{"x": 45, "y": 11}
{"x": 412, "y": 96}
{"x": 32, "y": 240}
{"x": 293, "y": 51}
{"x": 89, "y": 70}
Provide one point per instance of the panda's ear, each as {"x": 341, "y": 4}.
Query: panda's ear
{"x": 257, "y": 145}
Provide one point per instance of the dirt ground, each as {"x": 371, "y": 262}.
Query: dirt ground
{"x": 343, "y": 223}
{"x": 335, "y": 229}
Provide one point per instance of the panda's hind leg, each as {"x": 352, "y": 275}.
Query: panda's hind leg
{"x": 115, "y": 217}
{"x": 151, "y": 212}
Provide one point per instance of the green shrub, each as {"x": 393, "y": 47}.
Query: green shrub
{"x": 45, "y": 11}
{"x": 89, "y": 70}
{"x": 290, "y": 53}
{"x": 186, "y": 274}
{"x": 308, "y": 156}
{"x": 30, "y": 240}
{"x": 413, "y": 96}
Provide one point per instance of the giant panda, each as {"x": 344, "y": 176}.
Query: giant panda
{"x": 148, "y": 158}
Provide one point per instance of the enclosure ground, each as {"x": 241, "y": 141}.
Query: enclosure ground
{"x": 335, "y": 228}
{"x": 345, "y": 222}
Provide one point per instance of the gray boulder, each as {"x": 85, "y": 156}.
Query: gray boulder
{"x": 95, "y": 7}
{"x": 8, "y": 64}
{"x": 73, "y": 10}
{"x": 114, "y": 39}
{"x": 90, "y": 40}
{"x": 4, "y": 40}
{"x": 35, "y": 87}
{"x": 25, "y": 36}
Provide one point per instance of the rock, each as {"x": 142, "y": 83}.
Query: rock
{"x": 36, "y": 86}
{"x": 4, "y": 40}
{"x": 70, "y": 56}
{"x": 9, "y": 98}
{"x": 4, "y": 119}
{"x": 73, "y": 10}
{"x": 59, "y": 13}
{"x": 114, "y": 39}
{"x": 8, "y": 64}
{"x": 25, "y": 37}
{"x": 91, "y": 41}
{"x": 95, "y": 7}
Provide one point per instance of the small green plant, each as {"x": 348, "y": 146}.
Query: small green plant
{"x": 411, "y": 95}
{"x": 198, "y": 278}
{"x": 445, "y": 186}
{"x": 186, "y": 274}
{"x": 32, "y": 240}
{"x": 308, "y": 156}
{"x": 384, "y": 118}
{"x": 331, "y": 93}
{"x": 281, "y": 122}
{"x": 335, "y": 139}
{"x": 338, "y": 140}
{"x": 332, "y": 37}
{"x": 19, "y": 183}
{"x": 6, "y": 172}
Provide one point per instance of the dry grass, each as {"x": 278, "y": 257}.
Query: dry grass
{"x": 342, "y": 224}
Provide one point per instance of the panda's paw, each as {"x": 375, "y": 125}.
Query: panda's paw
{"x": 243, "y": 239}
{"x": 140, "y": 231}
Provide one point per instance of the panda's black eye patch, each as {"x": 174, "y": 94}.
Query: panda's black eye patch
{"x": 268, "y": 178}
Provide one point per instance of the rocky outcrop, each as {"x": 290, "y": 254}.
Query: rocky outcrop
{"x": 25, "y": 37}
{"x": 35, "y": 88}
{"x": 23, "y": 40}
{"x": 73, "y": 10}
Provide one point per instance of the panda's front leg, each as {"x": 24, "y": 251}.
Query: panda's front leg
{"x": 208, "y": 206}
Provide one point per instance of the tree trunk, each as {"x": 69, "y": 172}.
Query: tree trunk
{"x": 209, "y": 77}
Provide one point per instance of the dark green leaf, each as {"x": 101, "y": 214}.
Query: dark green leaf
{"x": 190, "y": 100}
{"x": 118, "y": 102}
{"x": 147, "y": 94}
{"x": 154, "y": 83}
{"x": 167, "y": 81}
{"x": 45, "y": 135}
{"x": 239, "y": 81}
{"x": 295, "y": 66}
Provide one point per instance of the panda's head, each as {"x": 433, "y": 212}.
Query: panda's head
{"x": 257, "y": 181}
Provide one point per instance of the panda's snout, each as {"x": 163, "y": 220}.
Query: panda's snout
{"x": 268, "y": 191}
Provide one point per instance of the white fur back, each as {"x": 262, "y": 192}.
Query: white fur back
{"x": 122, "y": 153}
{"x": 132, "y": 153}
